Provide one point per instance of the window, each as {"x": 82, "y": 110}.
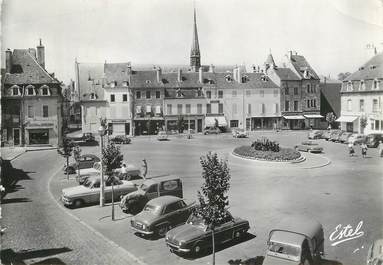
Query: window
{"x": 295, "y": 105}
{"x": 308, "y": 88}
{"x": 147, "y": 94}
{"x": 286, "y": 90}
{"x": 372, "y": 125}
{"x": 228, "y": 78}
{"x": 169, "y": 109}
{"x": 233, "y": 123}
{"x": 220, "y": 94}
{"x": 275, "y": 92}
{"x": 276, "y": 108}
{"x": 376, "y": 84}
{"x": 138, "y": 109}
{"x": 234, "y": 93}
{"x": 315, "y": 103}
{"x": 125, "y": 83}
{"x": 187, "y": 108}
{"x": 374, "y": 105}
{"x": 362, "y": 85}
{"x": 45, "y": 111}
{"x": 208, "y": 108}
{"x": 158, "y": 94}
{"x": 249, "y": 109}
{"x": 361, "y": 105}
{"x": 308, "y": 103}
{"x": 30, "y": 112}
{"x": 92, "y": 96}
{"x": 124, "y": 97}
{"x": 15, "y": 91}
{"x": 377, "y": 125}
{"x": 113, "y": 84}
{"x": 138, "y": 94}
{"x": 179, "y": 93}
{"x": 248, "y": 93}
{"x": 234, "y": 108}
{"x": 349, "y": 105}
{"x": 148, "y": 109}
{"x": 208, "y": 94}
{"x": 199, "y": 108}
{"x": 245, "y": 78}
{"x": 287, "y": 103}
{"x": 262, "y": 93}
{"x": 295, "y": 91}
{"x": 30, "y": 91}
{"x": 158, "y": 109}
{"x": 179, "y": 108}
{"x": 45, "y": 91}
{"x": 220, "y": 108}
{"x": 199, "y": 92}
{"x": 263, "y": 108}
{"x": 349, "y": 86}
{"x": 112, "y": 98}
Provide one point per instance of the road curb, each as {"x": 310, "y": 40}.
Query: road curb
{"x": 328, "y": 162}
{"x": 133, "y": 258}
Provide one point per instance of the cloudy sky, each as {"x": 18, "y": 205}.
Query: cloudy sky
{"x": 332, "y": 34}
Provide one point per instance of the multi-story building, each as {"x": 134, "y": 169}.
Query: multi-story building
{"x": 362, "y": 98}
{"x": 32, "y": 100}
{"x": 300, "y": 91}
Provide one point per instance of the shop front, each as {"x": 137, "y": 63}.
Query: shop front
{"x": 313, "y": 120}
{"x": 119, "y": 127}
{"x": 265, "y": 123}
{"x": 294, "y": 122}
{"x": 41, "y": 133}
{"x": 212, "y": 121}
{"x": 183, "y": 123}
{"x": 348, "y": 123}
{"x": 146, "y": 126}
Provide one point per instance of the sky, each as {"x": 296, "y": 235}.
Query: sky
{"x": 332, "y": 34}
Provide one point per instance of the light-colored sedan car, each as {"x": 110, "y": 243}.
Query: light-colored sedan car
{"x": 309, "y": 146}
{"x": 239, "y": 133}
{"x": 162, "y": 136}
{"x": 315, "y": 134}
{"x": 89, "y": 192}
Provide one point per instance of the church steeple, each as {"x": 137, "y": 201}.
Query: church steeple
{"x": 195, "y": 56}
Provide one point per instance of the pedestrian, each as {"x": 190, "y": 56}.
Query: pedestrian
{"x": 380, "y": 149}
{"x": 124, "y": 171}
{"x": 364, "y": 149}
{"x": 351, "y": 148}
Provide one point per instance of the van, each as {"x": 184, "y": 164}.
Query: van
{"x": 151, "y": 188}
{"x": 296, "y": 240}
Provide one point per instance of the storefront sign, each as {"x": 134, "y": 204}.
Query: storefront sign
{"x": 119, "y": 121}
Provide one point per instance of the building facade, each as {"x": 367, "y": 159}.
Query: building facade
{"x": 362, "y": 98}
{"x": 32, "y": 100}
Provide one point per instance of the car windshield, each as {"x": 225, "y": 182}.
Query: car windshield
{"x": 197, "y": 221}
{"x": 87, "y": 183}
{"x": 285, "y": 251}
{"x": 155, "y": 209}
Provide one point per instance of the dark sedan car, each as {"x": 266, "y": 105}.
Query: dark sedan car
{"x": 121, "y": 139}
{"x": 211, "y": 130}
{"x": 195, "y": 235}
{"x": 373, "y": 139}
{"x": 85, "y": 161}
{"x": 160, "y": 215}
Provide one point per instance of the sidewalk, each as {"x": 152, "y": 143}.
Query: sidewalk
{"x": 10, "y": 153}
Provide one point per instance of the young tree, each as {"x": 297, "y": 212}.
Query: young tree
{"x": 65, "y": 150}
{"x": 76, "y": 155}
{"x": 111, "y": 158}
{"x": 330, "y": 118}
{"x": 363, "y": 123}
{"x": 213, "y": 200}
{"x": 180, "y": 124}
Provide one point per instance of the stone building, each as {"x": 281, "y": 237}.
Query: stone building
{"x": 31, "y": 100}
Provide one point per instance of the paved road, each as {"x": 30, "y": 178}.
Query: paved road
{"x": 38, "y": 231}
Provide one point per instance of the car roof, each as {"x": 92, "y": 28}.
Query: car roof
{"x": 287, "y": 237}
{"x": 164, "y": 200}
{"x": 156, "y": 179}
{"x": 90, "y": 155}
{"x": 299, "y": 224}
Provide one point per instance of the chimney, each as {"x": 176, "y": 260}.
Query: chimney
{"x": 32, "y": 52}
{"x": 200, "y": 75}
{"x": 129, "y": 68}
{"x": 239, "y": 75}
{"x": 8, "y": 61}
{"x": 253, "y": 68}
{"x": 179, "y": 78}
{"x": 258, "y": 69}
{"x": 290, "y": 54}
{"x": 235, "y": 73}
{"x": 41, "y": 54}
{"x": 158, "y": 71}
{"x": 211, "y": 68}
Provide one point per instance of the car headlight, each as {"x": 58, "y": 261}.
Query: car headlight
{"x": 143, "y": 227}
{"x": 181, "y": 242}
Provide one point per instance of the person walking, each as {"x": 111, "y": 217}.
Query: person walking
{"x": 124, "y": 171}
{"x": 351, "y": 150}
{"x": 364, "y": 149}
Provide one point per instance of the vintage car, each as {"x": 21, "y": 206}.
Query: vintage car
{"x": 120, "y": 139}
{"x": 85, "y": 161}
{"x": 344, "y": 137}
{"x": 309, "y": 146}
{"x": 162, "y": 136}
{"x": 195, "y": 236}
{"x": 151, "y": 188}
{"x": 335, "y": 135}
{"x": 211, "y": 130}
{"x": 372, "y": 140}
{"x": 239, "y": 133}
{"x": 315, "y": 134}
{"x": 296, "y": 240}
{"x": 357, "y": 138}
{"x": 89, "y": 192}
{"x": 326, "y": 135}
{"x": 375, "y": 253}
{"x": 160, "y": 215}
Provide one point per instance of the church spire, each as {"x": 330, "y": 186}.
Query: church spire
{"x": 195, "y": 56}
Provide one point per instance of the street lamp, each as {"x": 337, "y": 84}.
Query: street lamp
{"x": 101, "y": 132}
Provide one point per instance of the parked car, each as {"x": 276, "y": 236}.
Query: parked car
{"x": 239, "y": 133}
{"x": 315, "y": 134}
{"x": 162, "y": 136}
{"x": 357, "y": 138}
{"x": 372, "y": 140}
{"x": 121, "y": 139}
{"x": 344, "y": 137}
{"x": 296, "y": 240}
{"x": 335, "y": 135}
{"x": 195, "y": 236}
{"x": 84, "y": 138}
{"x": 375, "y": 253}
{"x": 309, "y": 146}
{"x": 326, "y": 135}
{"x": 89, "y": 192}
{"x": 85, "y": 161}
{"x": 211, "y": 130}
{"x": 151, "y": 188}
{"x": 161, "y": 214}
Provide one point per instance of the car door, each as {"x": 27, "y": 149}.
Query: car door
{"x": 171, "y": 214}
{"x": 184, "y": 211}
{"x": 152, "y": 192}
{"x": 81, "y": 162}
{"x": 224, "y": 232}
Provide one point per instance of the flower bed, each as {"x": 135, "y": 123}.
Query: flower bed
{"x": 284, "y": 154}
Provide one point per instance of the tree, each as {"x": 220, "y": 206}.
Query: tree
{"x": 363, "y": 123}
{"x": 111, "y": 158}
{"x": 342, "y": 76}
{"x": 76, "y": 155}
{"x": 330, "y": 118}
{"x": 65, "y": 150}
{"x": 180, "y": 124}
{"x": 216, "y": 123}
{"x": 213, "y": 200}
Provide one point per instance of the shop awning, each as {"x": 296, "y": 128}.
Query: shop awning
{"x": 313, "y": 116}
{"x": 346, "y": 118}
{"x": 210, "y": 121}
{"x": 294, "y": 117}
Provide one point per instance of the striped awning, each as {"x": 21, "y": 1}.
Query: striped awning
{"x": 294, "y": 117}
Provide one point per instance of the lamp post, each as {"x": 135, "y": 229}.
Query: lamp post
{"x": 101, "y": 132}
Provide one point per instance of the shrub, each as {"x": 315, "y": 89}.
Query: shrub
{"x": 265, "y": 144}
{"x": 284, "y": 154}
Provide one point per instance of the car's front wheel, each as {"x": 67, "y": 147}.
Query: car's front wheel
{"x": 78, "y": 203}
{"x": 163, "y": 229}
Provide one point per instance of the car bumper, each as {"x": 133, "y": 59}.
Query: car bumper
{"x": 316, "y": 150}
{"x": 176, "y": 248}
{"x": 66, "y": 201}
{"x": 142, "y": 231}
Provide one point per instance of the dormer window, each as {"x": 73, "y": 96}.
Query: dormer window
{"x": 147, "y": 81}
{"x": 349, "y": 86}
{"x": 113, "y": 84}
{"x": 362, "y": 85}
{"x": 265, "y": 78}
{"x": 125, "y": 83}
{"x": 15, "y": 90}
{"x": 372, "y": 67}
{"x": 228, "y": 78}
{"x": 306, "y": 74}
{"x": 45, "y": 90}
{"x": 199, "y": 92}
{"x": 375, "y": 84}
{"x": 92, "y": 96}
{"x": 30, "y": 90}
{"x": 138, "y": 109}
{"x": 245, "y": 78}
{"x": 179, "y": 93}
